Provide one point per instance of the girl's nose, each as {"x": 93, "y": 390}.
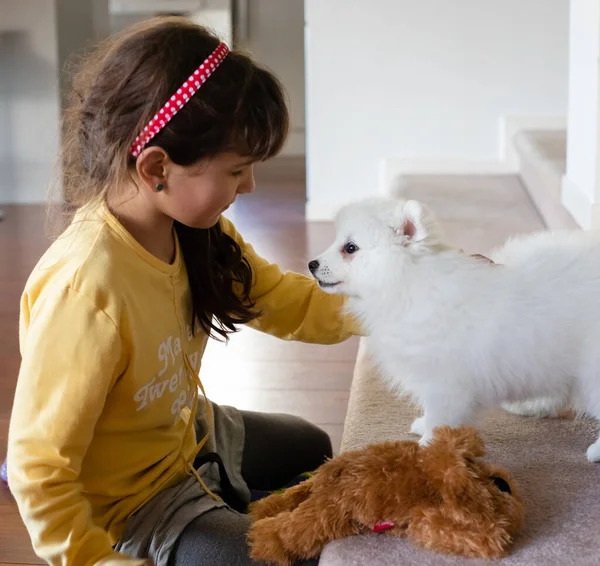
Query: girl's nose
{"x": 248, "y": 184}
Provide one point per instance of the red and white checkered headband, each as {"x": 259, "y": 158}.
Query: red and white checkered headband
{"x": 180, "y": 98}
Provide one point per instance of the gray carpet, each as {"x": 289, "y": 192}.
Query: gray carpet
{"x": 560, "y": 487}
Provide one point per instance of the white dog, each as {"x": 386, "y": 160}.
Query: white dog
{"x": 461, "y": 334}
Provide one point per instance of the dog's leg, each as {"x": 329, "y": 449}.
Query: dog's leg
{"x": 587, "y": 392}
{"x": 444, "y": 408}
{"x": 593, "y": 451}
{"x": 543, "y": 407}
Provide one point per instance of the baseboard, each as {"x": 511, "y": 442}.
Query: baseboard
{"x": 578, "y": 204}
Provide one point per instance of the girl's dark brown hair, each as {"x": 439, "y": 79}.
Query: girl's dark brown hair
{"x": 241, "y": 108}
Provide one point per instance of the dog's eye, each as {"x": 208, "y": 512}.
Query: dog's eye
{"x": 350, "y": 248}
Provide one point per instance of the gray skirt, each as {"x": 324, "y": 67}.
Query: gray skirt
{"x": 152, "y": 531}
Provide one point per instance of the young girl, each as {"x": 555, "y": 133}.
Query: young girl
{"x": 113, "y": 456}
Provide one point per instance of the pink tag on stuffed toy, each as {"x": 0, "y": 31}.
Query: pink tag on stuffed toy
{"x": 382, "y": 526}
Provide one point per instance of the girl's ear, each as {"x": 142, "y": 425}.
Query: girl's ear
{"x": 151, "y": 166}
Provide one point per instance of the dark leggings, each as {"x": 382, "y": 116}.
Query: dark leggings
{"x": 277, "y": 448}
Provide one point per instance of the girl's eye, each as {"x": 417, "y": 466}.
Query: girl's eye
{"x": 350, "y": 248}
{"x": 237, "y": 173}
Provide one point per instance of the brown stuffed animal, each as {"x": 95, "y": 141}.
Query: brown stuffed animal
{"x": 440, "y": 496}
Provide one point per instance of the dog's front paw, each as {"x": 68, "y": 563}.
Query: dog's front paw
{"x": 593, "y": 452}
{"x": 265, "y": 543}
{"x": 418, "y": 426}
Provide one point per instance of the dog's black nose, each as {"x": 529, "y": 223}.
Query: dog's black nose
{"x": 501, "y": 484}
{"x": 313, "y": 265}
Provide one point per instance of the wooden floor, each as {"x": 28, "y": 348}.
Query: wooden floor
{"x": 253, "y": 372}
{"x": 21, "y": 243}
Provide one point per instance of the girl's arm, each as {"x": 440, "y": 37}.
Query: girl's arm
{"x": 293, "y": 306}
{"x": 71, "y": 352}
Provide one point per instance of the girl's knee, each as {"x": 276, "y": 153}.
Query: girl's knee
{"x": 217, "y": 538}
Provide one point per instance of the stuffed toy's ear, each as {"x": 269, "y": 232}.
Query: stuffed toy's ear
{"x": 447, "y": 459}
{"x": 410, "y": 225}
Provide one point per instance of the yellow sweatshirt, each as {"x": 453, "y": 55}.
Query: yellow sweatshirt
{"x": 103, "y": 400}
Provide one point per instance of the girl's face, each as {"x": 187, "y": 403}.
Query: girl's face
{"x": 198, "y": 194}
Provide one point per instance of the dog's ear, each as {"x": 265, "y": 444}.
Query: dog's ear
{"x": 409, "y": 225}
{"x": 447, "y": 459}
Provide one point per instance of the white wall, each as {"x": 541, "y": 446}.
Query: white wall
{"x": 37, "y": 37}
{"x": 276, "y": 39}
{"x": 29, "y": 99}
{"x": 80, "y": 25}
{"x": 581, "y": 185}
{"x": 425, "y": 80}
{"x": 215, "y": 14}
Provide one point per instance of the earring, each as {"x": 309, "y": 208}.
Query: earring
{"x": 160, "y": 187}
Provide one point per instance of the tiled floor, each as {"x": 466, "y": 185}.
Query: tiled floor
{"x": 256, "y": 371}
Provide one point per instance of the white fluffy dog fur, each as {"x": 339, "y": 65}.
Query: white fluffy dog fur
{"x": 461, "y": 334}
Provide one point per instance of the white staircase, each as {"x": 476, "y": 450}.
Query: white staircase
{"x": 542, "y": 158}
